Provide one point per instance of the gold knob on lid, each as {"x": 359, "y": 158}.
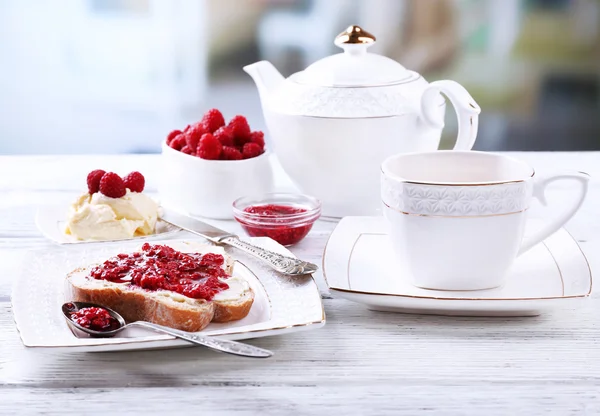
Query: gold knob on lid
{"x": 354, "y": 35}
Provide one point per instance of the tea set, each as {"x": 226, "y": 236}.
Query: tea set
{"x": 422, "y": 230}
{"x": 360, "y": 132}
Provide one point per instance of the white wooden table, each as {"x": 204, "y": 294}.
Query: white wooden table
{"x": 361, "y": 362}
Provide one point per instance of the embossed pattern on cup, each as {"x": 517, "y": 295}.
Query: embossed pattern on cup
{"x": 455, "y": 201}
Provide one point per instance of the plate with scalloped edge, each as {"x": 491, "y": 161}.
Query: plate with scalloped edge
{"x": 282, "y": 304}
{"x": 359, "y": 265}
{"x": 51, "y": 221}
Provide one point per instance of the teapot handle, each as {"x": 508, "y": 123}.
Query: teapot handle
{"x": 466, "y": 108}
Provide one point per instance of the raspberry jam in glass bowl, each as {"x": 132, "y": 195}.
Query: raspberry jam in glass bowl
{"x": 286, "y": 218}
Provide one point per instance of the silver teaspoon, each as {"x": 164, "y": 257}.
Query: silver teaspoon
{"x": 119, "y": 324}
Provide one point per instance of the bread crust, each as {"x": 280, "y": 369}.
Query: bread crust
{"x": 233, "y": 310}
{"x": 165, "y": 308}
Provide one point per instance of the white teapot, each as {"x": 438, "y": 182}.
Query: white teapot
{"x": 335, "y": 122}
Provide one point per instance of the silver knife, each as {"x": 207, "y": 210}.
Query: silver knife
{"x": 283, "y": 264}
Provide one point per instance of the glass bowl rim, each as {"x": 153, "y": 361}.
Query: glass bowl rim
{"x": 312, "y": 213}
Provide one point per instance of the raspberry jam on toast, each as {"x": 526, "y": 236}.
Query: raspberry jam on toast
{"x": 183, "y": 285}
{"x": 160, "y": 267}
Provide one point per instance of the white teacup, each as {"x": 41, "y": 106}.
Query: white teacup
{"x": 458, "y": 217}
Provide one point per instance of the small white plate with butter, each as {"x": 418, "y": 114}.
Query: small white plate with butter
{"x": 52, "y": 222}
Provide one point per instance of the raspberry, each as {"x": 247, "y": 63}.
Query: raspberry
{"x": 251, "y": 150}
{"x": 93, "y": 180}
{"x": 172, "y": 135}
{"x": 225, "y": 136}
{"x": 178, "y": 142}
{"x": 187, "y": 128}
{"x": 212, "y": 120}
{"x": 241, "y": 130}
{"x": 135, "y": 181}
{"x": 194, "y": 134}
{"x": 191, "y": 139}
{"x": 231, "y": 153}
{"x": 187, "y": 150}
{"x": 209, "y": 147}
{"x": 258, "y": 137}
{"x": 112, "y": 185}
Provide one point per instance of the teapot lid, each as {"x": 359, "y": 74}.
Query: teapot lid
{"x": 355, "y": 67}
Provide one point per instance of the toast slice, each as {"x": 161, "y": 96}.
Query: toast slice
{"x": 166, "y": 307}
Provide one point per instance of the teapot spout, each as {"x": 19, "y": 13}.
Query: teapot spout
{"x": 266, "y": 78}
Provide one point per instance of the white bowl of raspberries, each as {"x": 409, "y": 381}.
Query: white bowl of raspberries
{"x": 210, "y": 164}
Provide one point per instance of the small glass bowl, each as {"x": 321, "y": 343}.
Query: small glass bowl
{"x": 286, "y": 218}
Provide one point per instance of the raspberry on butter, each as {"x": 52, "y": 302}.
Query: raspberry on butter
{"x": 135, "y": 181}
{"x": 112, "y": 186}
{"x": 209, "y": 147}
{"x": 93, "y": 180}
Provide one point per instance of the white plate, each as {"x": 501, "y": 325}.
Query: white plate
{"x": 51, "y": 220}
{"x": 359, "y": 265}
{"x": 282, "y": 304}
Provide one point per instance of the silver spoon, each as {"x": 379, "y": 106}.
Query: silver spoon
{"x": 223, "y": 345}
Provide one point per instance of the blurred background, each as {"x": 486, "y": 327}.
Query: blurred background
{"x": 115, "y": 76}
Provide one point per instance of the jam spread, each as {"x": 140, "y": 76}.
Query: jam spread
{"x": 159, "y": 267}
{"x": 276, "y": 225}
{"x": 96, "y": 319}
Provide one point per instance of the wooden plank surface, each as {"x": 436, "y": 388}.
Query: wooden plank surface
{"x": 361, "y": 362}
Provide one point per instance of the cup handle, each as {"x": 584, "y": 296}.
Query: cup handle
{"x": 465, "y": 106}
{"x": 539, "y": 189}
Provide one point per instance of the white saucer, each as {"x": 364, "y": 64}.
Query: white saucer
{"x": 51, "y": 220}
{"x": 359, "y": 265}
